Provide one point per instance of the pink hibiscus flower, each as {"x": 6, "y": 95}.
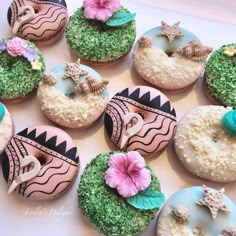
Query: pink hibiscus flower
{"x": 127, "y": 173}
{"x": 100, "y": 10}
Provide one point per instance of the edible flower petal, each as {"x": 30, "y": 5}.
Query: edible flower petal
{"x": 16, "y": 47}
{"x": 3, "y": 45}
{"x": 36, "y": 65}
{"x": 230, "y": 51}
{"x": 31, "y": 54}
{"x": 127, "y": 173}
{"x": 100, "y": 10}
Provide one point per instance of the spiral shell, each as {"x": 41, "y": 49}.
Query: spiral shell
{"x": 194, "y": 50}
{"x": 145, "y": 42}
{"x": 229, "y": 122}
{"x": 181, "y": 213}
{"x": 91, "y": 85}
{"x": 49, "y": 78}
{"x": 231, "y": 231}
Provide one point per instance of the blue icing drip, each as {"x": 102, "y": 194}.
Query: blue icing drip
{"x": 2, "y": 111}
{"x": 163, "y": 43}
{"x": 201, "y": 214}
{"x": 67, "y": 85}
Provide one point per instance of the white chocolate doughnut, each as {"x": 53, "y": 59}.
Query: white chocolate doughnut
{"x": 203, "y": 145}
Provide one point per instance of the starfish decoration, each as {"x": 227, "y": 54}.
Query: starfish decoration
{"x": 74, "y": 71}
{"x": 170, "y": 31}
{"x": 213, "y": 201}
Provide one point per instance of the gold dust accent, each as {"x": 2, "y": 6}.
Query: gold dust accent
{"x": 181, "y": 213}
{"x": 91, "y": 85}
{"x": 73, "y": 71}
{"x": 49, "y": 78}
{"x": 213, "y": 201}
{"x": 145, "y": 41}
{"x": 231, "y": 231}
{"x": 194, "y": 50}
{"x": 170, "y": 31}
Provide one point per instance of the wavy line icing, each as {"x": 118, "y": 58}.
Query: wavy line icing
{"x": 59, "y": 167}
{"x": 159, "y": 120}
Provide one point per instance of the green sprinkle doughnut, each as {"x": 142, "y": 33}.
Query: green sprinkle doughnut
{"x": 221, "y": 77}
{"x": 95, "y": 41}
{"x": 104, "y": 208}
{"x": 17, "y": 78}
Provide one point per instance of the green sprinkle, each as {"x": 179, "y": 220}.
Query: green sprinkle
{"x": 95, "y": 41}
{"x": 17, "y": 79}
{"x": 104, "y": 208}
{"x": 221, "y": 77}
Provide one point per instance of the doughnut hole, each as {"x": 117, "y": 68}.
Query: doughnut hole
{"x": 42, "y": 160}
{"x": 170, "y": 52}
{"x": 36, "y": 10}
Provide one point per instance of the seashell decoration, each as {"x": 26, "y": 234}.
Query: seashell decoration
{"x": 194, "y": 50}
{"x": 49, "y": 78}
{"x": 91, "y": 85}
{"x": 181, "y": 214}
{"x": 145, "y": 41}
{"x": 229, "y": 122}
{"x": 231, "y": 231}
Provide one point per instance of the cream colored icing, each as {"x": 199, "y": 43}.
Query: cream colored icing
{"x": 203, "y": 145}
{"x": 171, "y": 73}
{"x": 6, "y": 128}
{"x": 74, "y": 113}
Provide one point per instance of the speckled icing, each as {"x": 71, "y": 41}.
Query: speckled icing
{"x": 200, "y": 222}
{"x": 57, "y": 154}
{"x": 6, "y": 129}
{"x": 203, "y": 145}
{"x": 81, "y": 111}
{"x": 156, "y": 67}
{"x": 48, "y": 23}
{"x": 159, "y": 119}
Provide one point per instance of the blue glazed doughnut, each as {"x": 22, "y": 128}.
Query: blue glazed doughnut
{"x": 73, "y": 103}
{"x": 183, "y": 214}
{"x": 169, "y": 65}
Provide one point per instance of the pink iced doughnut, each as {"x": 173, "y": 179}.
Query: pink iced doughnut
{"x": 6, "y": 127}
{"x": 40, "y": 162}
{"x": 42, "y": 22}
{"x": 140, "y": 118}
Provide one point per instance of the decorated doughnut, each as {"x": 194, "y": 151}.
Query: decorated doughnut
{"x": 197, "y": 211}
{"x": 73, "y": 95}
{"x": 101, "y": 32}
{"x": 119, "y": 194}
{"x": 21, "y": 69}
{"x": 170, "y": 57}
{"x": 140, "y": 118}
{"x": 6, "y": 127}
{"x": 40, "y": 163}
{"x": 42, "y": 22}
{"x": 220, "y": 76}
{"x": 205, "y": 142}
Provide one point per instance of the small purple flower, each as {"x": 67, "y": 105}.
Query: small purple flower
{"x": 31, "y": 54}
{"x": 3, "y": 45}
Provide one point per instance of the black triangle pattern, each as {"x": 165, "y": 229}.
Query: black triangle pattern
{"x": 51, "y": 143}
{"x": 145, "y": 99}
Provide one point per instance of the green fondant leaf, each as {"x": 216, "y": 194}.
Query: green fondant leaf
{"x": 120, "y": 18}
{"x": 147, "y": 199}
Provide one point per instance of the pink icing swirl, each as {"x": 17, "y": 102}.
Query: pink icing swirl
{"x": 127, "y": 173}
{"x": 16, "y": 47}
{"x": 100, "y": 10}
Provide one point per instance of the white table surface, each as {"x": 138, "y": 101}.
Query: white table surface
{"x": 61, "y": 216}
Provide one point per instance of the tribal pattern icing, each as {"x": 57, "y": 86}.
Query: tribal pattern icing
{"x": 159, "y": 120}
{"x": 49, "y": 20}
{"x": 59, "y": 162}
